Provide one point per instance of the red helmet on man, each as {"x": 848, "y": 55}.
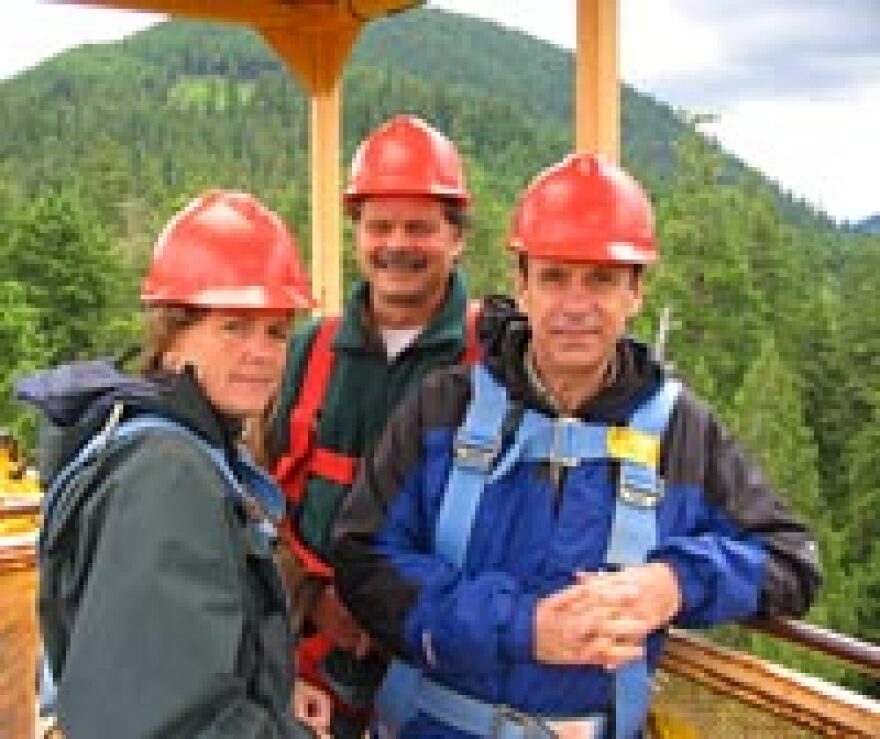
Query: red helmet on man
{"x": 406, "y": 156}
{"x": 585, "y": 209}
{"x": 227, "y": 250}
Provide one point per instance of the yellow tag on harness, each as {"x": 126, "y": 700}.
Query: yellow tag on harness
{"x": 630, "y": 445}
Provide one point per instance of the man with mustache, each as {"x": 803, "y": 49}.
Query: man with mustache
{"x": 408, "y": 202}
{"x": 527, "y": 527}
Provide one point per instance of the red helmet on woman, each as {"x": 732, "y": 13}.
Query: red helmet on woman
{"x": 585, "y": 209}
{"x": 227, "y": 250}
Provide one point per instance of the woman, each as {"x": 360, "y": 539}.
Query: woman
{"x": 162, "y": 610}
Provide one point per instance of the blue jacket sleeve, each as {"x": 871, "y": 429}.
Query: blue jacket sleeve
{"x": 406, "y": 596}
{"x": 736, "y": 548}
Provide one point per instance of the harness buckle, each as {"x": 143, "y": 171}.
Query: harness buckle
{"x": 640, "y": 487}
{"x": 560, "y": 427}
{"x": 477, "y": 456}
{"x": 532, "y": 727}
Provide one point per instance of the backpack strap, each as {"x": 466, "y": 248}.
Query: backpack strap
{"x": 246, "y": 486}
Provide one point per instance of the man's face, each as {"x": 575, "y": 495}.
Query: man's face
{"x": 406, "y": 249}
{"x": 577, "y": 311}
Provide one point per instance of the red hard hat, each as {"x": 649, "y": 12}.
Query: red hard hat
{"x": 227, "y": 250}
{"x": 406, "y": 156}
{"x": 585, "y": 209}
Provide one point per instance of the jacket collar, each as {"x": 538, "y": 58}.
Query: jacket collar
{"x": 446, "y": 329}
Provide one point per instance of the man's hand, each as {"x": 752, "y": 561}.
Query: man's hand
{"x": 648, "y": 594}
{"x": 603, "y": 619}
{"x": 569, "y": 630}
{"x": 334, "y": 621}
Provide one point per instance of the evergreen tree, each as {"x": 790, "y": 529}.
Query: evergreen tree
{"x": 75, "y": 279}
{"x": 23, "y": 349}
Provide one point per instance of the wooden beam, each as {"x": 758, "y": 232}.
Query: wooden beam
{"x": 263, "y": 13}
{"x": 597, "y": 87}
{"x": 317, "y": 58}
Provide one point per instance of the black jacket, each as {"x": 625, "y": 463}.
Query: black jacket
{"x": 161, "y": 615}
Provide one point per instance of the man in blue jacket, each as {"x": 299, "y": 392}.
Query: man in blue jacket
{"x": 527, "y": 528}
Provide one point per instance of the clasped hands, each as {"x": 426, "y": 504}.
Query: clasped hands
{"x": 603, "y": 618}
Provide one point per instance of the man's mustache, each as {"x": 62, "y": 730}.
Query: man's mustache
{"x": 399, "y": 259}
{"x": 562, "y": 323}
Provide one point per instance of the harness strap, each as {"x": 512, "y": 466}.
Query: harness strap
{"x": 564, "y": 440}
{"x": 476, "y": 447}
{"x": 293, "y": 469}
{"x": 255, "y": 492}
{"x": 633, "y": 536}
{"x": 568, "y": 442}
{"x": 305, "y": 458}
{"x": 406, "y": 692}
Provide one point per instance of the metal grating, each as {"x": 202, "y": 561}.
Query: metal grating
{"x": 686, "y": 709}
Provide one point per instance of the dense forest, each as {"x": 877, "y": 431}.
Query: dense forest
{"x": 773, "y": 313}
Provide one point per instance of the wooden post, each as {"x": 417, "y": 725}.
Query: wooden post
{"x": 317, "y": 57}
{"x": 597, "y": 88}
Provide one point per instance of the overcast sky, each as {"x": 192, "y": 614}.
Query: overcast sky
{"x": 795, "y": 83}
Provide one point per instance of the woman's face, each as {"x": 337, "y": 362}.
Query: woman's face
{"x": 238, "y": 356}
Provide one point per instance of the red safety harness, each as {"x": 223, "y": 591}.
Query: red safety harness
{"x": 305, "y": 458}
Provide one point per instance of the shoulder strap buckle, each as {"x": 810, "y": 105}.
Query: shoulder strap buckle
{"x": 472, "y": 454}
{"x": 640, "y": 486}
{"x": 530, "y": 727}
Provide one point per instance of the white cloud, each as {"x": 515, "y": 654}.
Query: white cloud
{"x": 31, "y": 32}
{"x": 825, "y": 151}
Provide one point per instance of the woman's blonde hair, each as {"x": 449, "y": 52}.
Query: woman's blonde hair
{"x": 163, "y": 324}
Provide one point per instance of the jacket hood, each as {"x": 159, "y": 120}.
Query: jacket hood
{"x": 73, "y": 393}
{"x": 505, "y": 334}
{"x": 75, "y": 400}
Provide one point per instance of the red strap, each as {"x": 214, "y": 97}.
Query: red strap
{"x": 334, "y": 466}
{"x": 293, "y": 469}
{"x": 473, "y": 352}
{"x": 305, "y": 458}
{"x": 318, "y": 369}
{"x": 312, "y": 563}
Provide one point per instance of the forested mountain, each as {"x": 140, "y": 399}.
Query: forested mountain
{"x": 774, "y": 312}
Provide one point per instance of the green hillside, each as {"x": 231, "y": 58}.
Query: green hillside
{"x": 775, "y": 315}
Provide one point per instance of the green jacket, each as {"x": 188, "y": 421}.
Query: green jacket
{"x": 162, "y": 616}
{"x": 364, "y": 388}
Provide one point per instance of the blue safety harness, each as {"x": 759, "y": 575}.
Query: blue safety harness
{"x": 478, "y": 461}
{"x": 248, "y": 487}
